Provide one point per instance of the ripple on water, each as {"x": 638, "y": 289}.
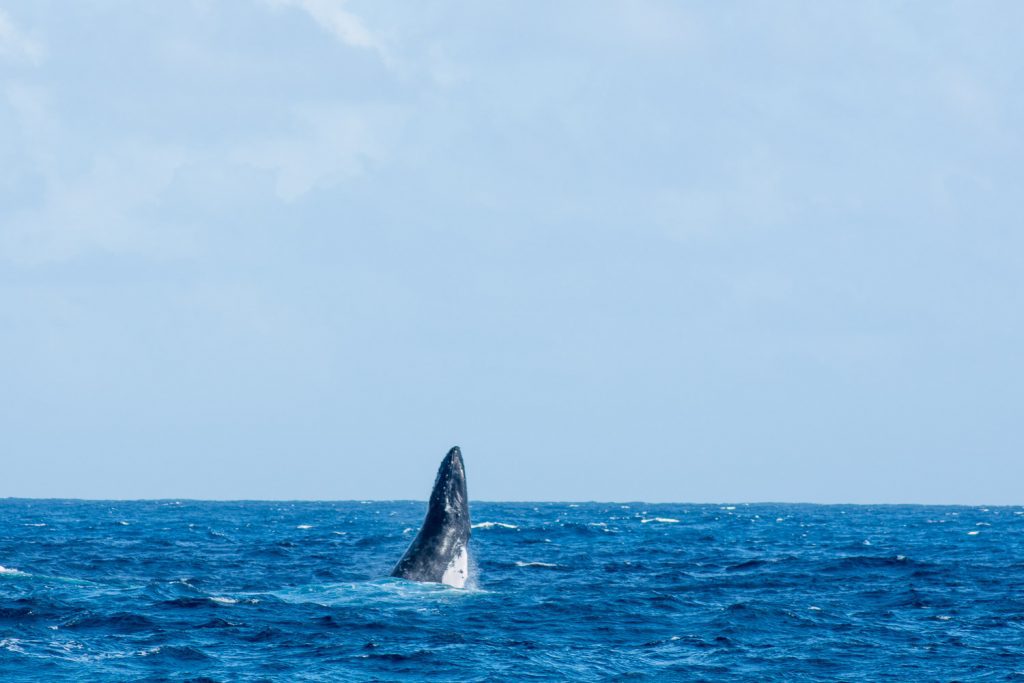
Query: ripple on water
{"x": 271, "y": 591}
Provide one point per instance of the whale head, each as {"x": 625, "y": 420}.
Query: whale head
{"x": 449, "y": 501}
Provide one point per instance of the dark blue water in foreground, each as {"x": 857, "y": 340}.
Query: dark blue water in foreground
{"x": 163, "y": 590}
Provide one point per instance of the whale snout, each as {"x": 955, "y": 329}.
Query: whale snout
{"x": 452, "y": 474}
{"x": 452, "y": 464}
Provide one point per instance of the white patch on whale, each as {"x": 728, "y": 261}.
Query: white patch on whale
{"x": 458, "y": 570}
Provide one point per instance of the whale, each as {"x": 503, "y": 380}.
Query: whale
{"x": 440, "y": 551}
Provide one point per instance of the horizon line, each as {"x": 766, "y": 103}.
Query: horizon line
{"x": 364, "y": 501}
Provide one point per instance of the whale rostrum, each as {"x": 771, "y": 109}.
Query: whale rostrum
{"x": 440, "y": 551}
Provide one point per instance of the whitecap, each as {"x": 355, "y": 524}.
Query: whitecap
{"x": 491, "y": 525}
{"x": 728, "y": 507}
{"x": 943, "y": 617}
{"x": 224, "y": 601}
{"x": 36, "y": 524}
{"x": 779, "y": 519}
{"x": 8, "y": 571}
{"x": 814, "y": 608}
{"x": 339, "y": 533}
{"x": 900, "y": 558}
{"x": 12, "y": 645}
{"x": 408, "y": 530}
{"x": 546, "y": 565}
{"x": 982, "y": 524}
{"x": 867, "y": 542}
{"x": 973, "y": 533}
{"x": 304, "y": 526}
{"x": 662, "y": 520}
{"x": 123, "y": 523}
{"x": 601, "y": 524}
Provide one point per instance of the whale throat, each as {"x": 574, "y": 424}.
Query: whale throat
{"x": 440, "y": 551}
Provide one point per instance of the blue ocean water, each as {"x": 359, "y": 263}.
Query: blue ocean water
{"x": 247, "y": 591}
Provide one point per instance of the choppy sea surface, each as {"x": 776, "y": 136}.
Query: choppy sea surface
{"x": 270, "y": 591}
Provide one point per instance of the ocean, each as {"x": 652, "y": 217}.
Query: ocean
{"x": 276, "y": 591}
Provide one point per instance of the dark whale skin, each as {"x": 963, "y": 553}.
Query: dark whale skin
{"x": 446, "y": 527}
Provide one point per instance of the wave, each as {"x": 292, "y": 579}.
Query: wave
{"x": 119, "y": 622}
{"x": 378, "y": 592}
{"x": 861, "y": 562}
{"x": 190, "y": 602}
{"x": 758, "y": 563}
{"x": 590, "y": 594}
{"x": 396, "y": 657}
{"x": 9, "y": 571}
{"x": 185, "y": 653}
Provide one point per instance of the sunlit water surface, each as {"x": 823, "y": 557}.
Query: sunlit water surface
{"x": 168, "y": 590}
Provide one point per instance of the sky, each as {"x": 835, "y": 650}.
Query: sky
{"x": 660, "y": 251}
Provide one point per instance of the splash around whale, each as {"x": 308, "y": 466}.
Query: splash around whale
{"x": 440, "y": 551}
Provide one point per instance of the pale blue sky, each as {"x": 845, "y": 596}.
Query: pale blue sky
{"x": 703, "y": 251}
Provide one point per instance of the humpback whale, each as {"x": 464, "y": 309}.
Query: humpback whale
{"x": 440, "y": 551}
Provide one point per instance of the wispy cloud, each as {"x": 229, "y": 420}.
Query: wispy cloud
{"x": 117, "y": 199}
{"x": 332, "y": 144}
{"x": 16, "y": 45}
{"x": 108, "y": 207}
{"x": 333, "y": 17}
